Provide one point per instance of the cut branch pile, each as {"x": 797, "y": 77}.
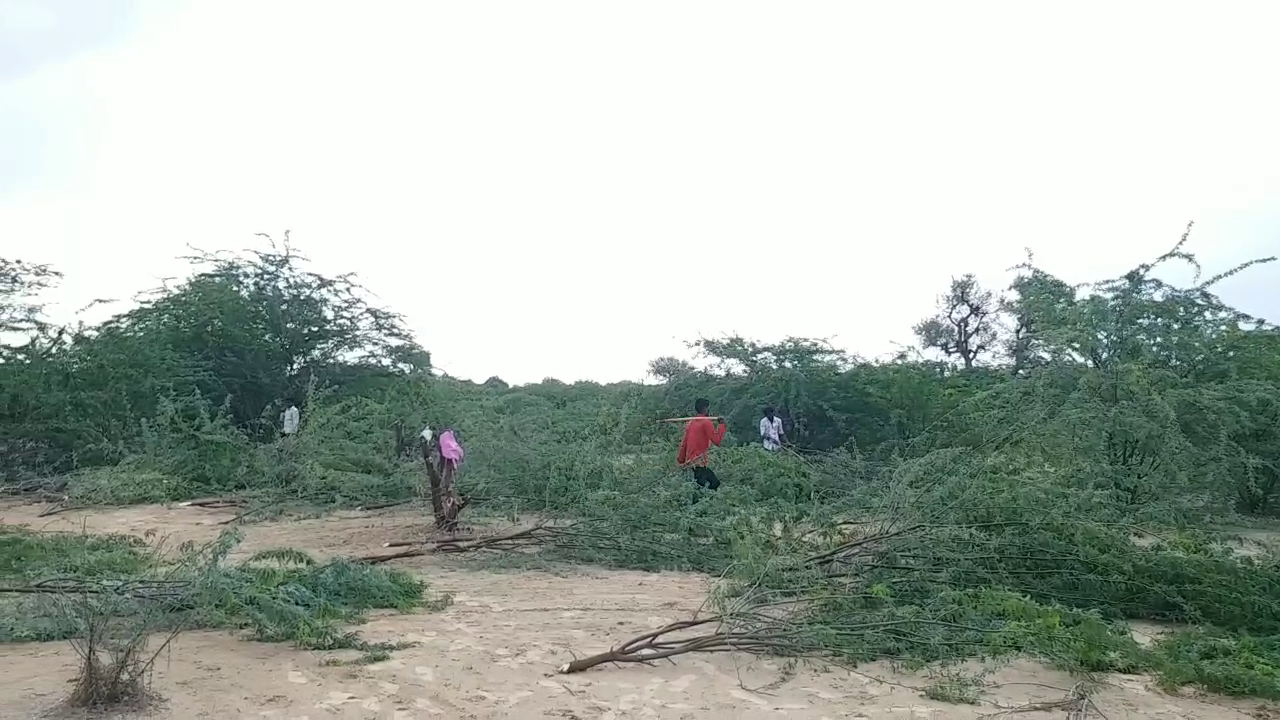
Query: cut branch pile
{"x": 48, "y": 489}
{"x": 580, "y": 535}
{"x": 42, "y": 490}
{"x": 854, "y": 550}
{"x": 904, "y": 589}
{"x": 836, "y": 627}
{"x": 803, "y": 622}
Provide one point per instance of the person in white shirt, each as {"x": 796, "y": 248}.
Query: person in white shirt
{"x": 771, "y": 433}
{"x": 290, "y": 420}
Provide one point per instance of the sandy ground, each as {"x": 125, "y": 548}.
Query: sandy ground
{"x": 493, "y": 654}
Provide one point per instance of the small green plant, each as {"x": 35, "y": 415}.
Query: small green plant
{"x": 952, "y": 685}
{"x": 371, "y": 653}
{"x": 120, "y": 625}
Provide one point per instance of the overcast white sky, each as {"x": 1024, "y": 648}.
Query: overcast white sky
{"x": 570, "y": 189}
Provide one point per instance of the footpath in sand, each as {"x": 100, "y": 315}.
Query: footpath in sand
{"x": 493, "y": 653}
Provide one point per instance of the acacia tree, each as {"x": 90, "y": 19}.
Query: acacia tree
{"x": 1159, "y": 390}
{"x": 668, "y": 368}
{"x": 20, "y": 283}
{"x": 243, "y": 338}
{"x": 1038, "y": 303}
{"x": 25, "y": 346}
{"x": 252, "y": 331}
{"x": 966, "y": 325}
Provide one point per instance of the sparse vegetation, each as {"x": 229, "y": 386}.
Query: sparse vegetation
{"x": 121, "y": 601}
{"x": 1060, "y": 469}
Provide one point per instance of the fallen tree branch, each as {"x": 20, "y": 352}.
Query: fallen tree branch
{"x": 375, "y": 559}
{"x": 168, "y": 590}
{"x": 384, "y": 505}
{"x": 804, "y": 630}
{"x": 404, "y": 543}
{"x": 817, "y": 622}
{"x": 246, "y": 513}
{"x": 505, "y": 541}
{"x": 512, "y": 540}
{"x": 853, "y": 548}
{"x": 56, "y": 508}
{"x": 750, "y": 632}
{"x": 1077, "y": 704}
{"x": 213, "y": 503}
{"x": 428, "y": 541}
{"x": 40, "y": 486}
{"x": 654, "y": 645}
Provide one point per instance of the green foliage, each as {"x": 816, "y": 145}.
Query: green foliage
{"x": 284, "y": 595}
{"x": 280, "y": 595}
{"x": 230, "y": 347}
{"x": 27, "y": 556}
{"x": 1227, "y": 664}
{"x": 20, "y": 314}
{"x": 1056, "y": 472}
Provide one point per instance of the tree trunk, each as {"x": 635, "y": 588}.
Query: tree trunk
{"x": 451, "y": 504}
{"x": 445, "y": 503}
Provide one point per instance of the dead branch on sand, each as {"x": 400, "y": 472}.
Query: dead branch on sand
{"x": 173, "y": 592}
{"x": 445, "y": 538}
{"x": 58, "y": 506}
{"x": 41, "y": 490}
{"x": 1077, "y": 704}
{"x": 826, "y": 611}
{"x": 657, "y": 645}
{"x": 383, "y": 505}
{"x": 511, "y": 540}
{"x": 213, "y": 503}
{"x": 40, "y": 487}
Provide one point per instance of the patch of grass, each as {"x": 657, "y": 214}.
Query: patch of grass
{"x": 955, "y": 687}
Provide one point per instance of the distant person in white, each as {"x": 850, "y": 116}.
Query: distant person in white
{"x": 290, "y": 420}
{"x": 771, "y": 430}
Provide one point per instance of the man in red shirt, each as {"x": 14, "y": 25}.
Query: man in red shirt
{"x": 699, "y": 435}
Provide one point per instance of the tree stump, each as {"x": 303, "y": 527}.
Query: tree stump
{"x": 446, "y": 505}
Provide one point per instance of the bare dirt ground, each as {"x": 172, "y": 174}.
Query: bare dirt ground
{"x": 493, "y": 654}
